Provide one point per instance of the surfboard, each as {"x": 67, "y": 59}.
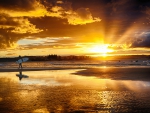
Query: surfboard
{"x": 22, "y": 60}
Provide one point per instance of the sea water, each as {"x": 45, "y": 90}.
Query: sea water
{"x": 77, "y": 64}
{"x": 92, "y": 90}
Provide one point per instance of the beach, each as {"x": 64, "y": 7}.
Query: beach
{"x": 74, "y": 88}
{"x": 75, "y": 56}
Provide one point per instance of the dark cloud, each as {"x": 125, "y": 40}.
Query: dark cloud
{"x": 24, "y": 5}
{"x": 142, "y": 42}
{"x": 7, "y": 21}
{"x": 6, "y": 39}
{"x": 55, "y": 27}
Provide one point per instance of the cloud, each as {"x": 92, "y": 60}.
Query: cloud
{"x": 23, "y": 8}
{"x": 25, "y": 26}
{"x": 7, "y": 41}
{"x": 120, "y": 47}
{"x": 11, "y": 54}
{"x": 55, "y": 43}
{"x": 59, "y": 2}
{"x": 121, "y": 17}
{"x": 20, "y": 5}
{"x": 6, "y": 21}
{"x": 52, "y": 46}
{"x": 12, "y": 29}
{"x": 79, "y": 20}
{"x": 74, "y": 17}
{"x": 142, "y": 40}
{"x": 147, "y": 11}
{"x": 41, "y": 18}
{"x": 35, "y": 8}
{"x": 81, "y": 16}
{"x": 17, "y": 24}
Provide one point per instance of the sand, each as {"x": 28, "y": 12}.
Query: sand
{"x": 118, "y": 73}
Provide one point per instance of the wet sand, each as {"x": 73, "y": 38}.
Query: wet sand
{"x": 118, "y": 73}
{"x": 114, "y": 73}
{"x": 39, "y": 69}
{"x": 74, "y": 90}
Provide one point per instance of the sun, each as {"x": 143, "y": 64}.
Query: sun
{"x": 104, "y": 54}
{"x": 101, "y": 49}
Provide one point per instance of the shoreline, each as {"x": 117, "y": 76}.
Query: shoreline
{"x": 36, "y": 69}
{"x": 68, "y": 68}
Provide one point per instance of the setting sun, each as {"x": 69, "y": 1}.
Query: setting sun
{"x": 101, "y": 49}
{"x": 104, "y": 54}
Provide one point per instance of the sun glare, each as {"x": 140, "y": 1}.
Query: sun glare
{"x": 104, "y": 54}
{"x": 101, "y": 49}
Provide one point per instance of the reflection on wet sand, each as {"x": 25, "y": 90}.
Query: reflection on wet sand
{"x": 20, "y": 75}
{"x": 118, "y": 73}
{"x": 62, "y": 91}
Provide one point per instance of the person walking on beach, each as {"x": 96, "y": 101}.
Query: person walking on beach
{"x": 20, "y": 64}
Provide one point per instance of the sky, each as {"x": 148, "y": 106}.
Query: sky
{"x": 74, "y": 27}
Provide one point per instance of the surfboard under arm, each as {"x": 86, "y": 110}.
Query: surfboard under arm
{"x": 22, "y": 60}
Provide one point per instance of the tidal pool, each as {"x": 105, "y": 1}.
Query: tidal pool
{"x": 71, "y": 91}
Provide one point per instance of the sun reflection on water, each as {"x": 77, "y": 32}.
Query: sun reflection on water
{"x": 67, "y": 78}
{"x": 63, "y": 91}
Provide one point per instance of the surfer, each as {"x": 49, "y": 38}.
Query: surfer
{"x": 20, "y": 64}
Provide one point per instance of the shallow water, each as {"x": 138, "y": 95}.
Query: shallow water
{"x": 77, "y": 64}
{"x": 85, "y": 91}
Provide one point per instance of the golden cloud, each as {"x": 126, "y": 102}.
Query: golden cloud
{"x": 25, "y": 27}
{"x": 7, "y": 41}
{"x": 38, "y": 12}
{"x": 17, "y": 24}
{"x": 80, "y": 16}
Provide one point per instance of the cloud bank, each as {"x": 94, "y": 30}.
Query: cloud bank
{"x": 124, "y": 22}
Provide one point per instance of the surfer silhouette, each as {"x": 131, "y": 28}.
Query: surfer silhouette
{"x": 20, "y": 64}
